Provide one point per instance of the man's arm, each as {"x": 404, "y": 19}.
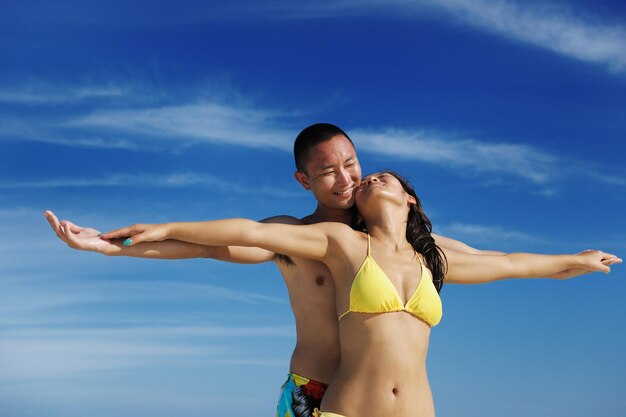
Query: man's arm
{"x": 88, "y": 239}
{"x": 458, "y": 246}
{"x": 450, "y": 244}
{"x": 475, "y": 269}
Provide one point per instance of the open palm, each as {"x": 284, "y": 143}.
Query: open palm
{"x": 81, "y": 238}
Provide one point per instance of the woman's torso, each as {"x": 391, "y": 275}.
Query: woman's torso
{"x": 382, "y": 371}
{"x": 383, "y": 355}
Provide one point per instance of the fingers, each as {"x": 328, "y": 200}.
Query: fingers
{"x": 76, "y": 229}
{"x": 68, "y": 235}
{"x": 135, "y": 239}
{"x": 614, "y": 259}
{"x": 55, "y": 224}
{"x": 607, "y": 260}
{"x": 600, "y": 261}
{"x": 139, "y": 233}
{"x": 611, "y": 261}
{"x": 52, "y": 220}
{"x": 134, "y": 234}
{"x": 123, "y": 232}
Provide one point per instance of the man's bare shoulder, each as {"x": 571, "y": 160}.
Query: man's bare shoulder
{"x": 283, "y": 219}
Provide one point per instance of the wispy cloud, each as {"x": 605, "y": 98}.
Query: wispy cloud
{"x": 609, "y": 179}
{"x": 237, "y": 122}
{"x": 221, "y": 123}
{"x": 206, "y": 121}
{"x": 557, "y": 27}
{"x": 42, "y": 296}
{"x": 503, "y": 238}
{"x": 42, "y": 94}
{"x": 174, "y": 180}
{"x": 53, "y": 352}
{"x": 478, "y": 156}
{"x": 495, "y": 236}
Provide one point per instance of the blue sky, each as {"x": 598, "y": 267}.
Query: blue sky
{"x": 508, "y": 117}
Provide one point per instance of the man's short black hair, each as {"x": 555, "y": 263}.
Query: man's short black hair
{"x": 311, "y": 137}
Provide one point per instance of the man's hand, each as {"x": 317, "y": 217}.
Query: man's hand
{"x": 599, "y": 261}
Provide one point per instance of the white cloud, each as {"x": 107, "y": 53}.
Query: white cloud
{"x": 609, "y": 179}
{"x": 205, "y": 121}
{"x": 221, "y": 123}
{"x": 53, "y": 352}
{"x": 554, "y": 26}
{"x": 41, "y": 94}
{"x": 492, "y": 235}
{"x": 175, "y": 180}
{"x": 550, "y": 26}
{"x": 42, "y": 295}
{"x": 477, "y": 156}
{"x": 239, "y": 123}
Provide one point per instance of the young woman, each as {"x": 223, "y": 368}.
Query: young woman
{"x": 387, "y": 278}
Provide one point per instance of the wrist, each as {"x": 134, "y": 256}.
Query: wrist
{"x": 575, "y": 261}
{"x": 170, "y": 231}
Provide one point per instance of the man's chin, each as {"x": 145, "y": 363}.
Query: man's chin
{"x": 345, "y": 204}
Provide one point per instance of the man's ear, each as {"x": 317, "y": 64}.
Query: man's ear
{"x": 302, "y": 179}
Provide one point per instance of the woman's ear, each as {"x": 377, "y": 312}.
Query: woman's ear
{"x": 411, "y": 200}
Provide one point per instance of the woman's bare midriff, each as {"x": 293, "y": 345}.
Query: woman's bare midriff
{"x": 383, "y": 367}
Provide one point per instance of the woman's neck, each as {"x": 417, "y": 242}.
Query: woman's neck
{"x": 388, "y": 225}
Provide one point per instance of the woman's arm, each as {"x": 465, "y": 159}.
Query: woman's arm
{"x": 475, "y": 269}
{"x": 88, "y": 239}
{"x": 307, "y": 241}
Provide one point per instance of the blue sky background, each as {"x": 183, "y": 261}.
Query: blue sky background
{"x": 509, "y": 117}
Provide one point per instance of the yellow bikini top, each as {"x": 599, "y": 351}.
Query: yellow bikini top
{"x": 373, "y": 292}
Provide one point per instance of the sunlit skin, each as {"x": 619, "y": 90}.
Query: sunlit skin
{"x": 332, "y": 169}
{"x": 332, "y": 174}
{"x": 382, "y": 371}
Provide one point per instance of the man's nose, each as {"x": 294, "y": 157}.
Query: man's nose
{"x": 344, "y": 177}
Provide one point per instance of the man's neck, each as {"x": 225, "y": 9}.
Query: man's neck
{"x": 327, "y": 214}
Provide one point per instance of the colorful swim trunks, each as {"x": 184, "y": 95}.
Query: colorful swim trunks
{"x": 300, "y": 396}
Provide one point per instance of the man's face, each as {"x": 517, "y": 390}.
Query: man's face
{"x": 332, "y": 173}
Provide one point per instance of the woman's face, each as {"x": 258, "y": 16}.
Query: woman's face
{"x": 382, "y": 185}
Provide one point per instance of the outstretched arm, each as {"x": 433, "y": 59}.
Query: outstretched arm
{"x": 475, "y": 269}
{"x": 307, "y": 241}
{"x": 458, "y": 246}
{"x": 88, "y": 239}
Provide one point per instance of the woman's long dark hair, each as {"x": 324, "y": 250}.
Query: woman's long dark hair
{"x": 418, "y": 234}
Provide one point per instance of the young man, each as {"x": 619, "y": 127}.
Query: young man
{"x": 327, "y": 165}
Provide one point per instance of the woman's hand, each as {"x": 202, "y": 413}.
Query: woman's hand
{"x": 81, "y": 238}
{"x": 138, "y": 233}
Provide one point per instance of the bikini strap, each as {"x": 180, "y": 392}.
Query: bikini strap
{"x": 420, "y": 258}
{"x": 368, "y": 244}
